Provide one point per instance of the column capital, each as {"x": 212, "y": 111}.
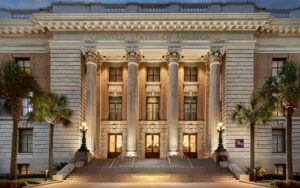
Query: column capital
{"x": 133, "y": 56}
{"x": 173, "y": 56}
{"x": 215, "y": 55}
{"x": 91, "y": 55}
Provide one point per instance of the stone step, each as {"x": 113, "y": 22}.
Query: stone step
{"x": 151, "y": 177}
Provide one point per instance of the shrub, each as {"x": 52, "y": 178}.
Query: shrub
{"x": 286, "y": 184}
{"x": 12, "y": 183}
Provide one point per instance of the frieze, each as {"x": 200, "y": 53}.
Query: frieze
{"x": 151, "y": 36}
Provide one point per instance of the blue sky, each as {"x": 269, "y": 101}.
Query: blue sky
{"x": 33, "y": 4}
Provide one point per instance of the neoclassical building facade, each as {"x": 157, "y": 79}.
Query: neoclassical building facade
{"x": 150, "y": 81}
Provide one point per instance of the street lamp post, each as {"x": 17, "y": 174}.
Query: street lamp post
{"x": 220, "y": 129}
{"x": 221, "y": 153}
{"x": 83, "y": 128}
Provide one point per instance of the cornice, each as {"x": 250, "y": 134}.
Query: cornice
{"x": 41, "y": 23}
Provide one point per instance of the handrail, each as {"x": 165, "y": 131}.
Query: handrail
{"x": 169, "y": 161}
{"x": 112, "y": 163}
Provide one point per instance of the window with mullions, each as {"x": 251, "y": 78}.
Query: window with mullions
{"x": 27, "y": 106}
{"x": 24, "y": 64}
{"x": 190, "y": 108}
{"x": 152, "y": 104}
{"x": 277, "y": 65}
{"x": 115, "y": 108}
{"x": 153, "y": 74}
{"x": 278, "y": 140}
{"x": 190, "y": 74}
{"x": 279, "y": 169}
{"x": 116, "y": 74}
{"x": 23, "y": 169}
{"x": 25, "y": 140}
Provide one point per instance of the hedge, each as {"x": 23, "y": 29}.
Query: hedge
{"x": 12, "y": 183}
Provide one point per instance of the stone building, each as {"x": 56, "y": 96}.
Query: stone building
{"x": 150, "y": 80}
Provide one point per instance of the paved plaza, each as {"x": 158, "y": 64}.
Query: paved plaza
{"x": 70, "y": 184}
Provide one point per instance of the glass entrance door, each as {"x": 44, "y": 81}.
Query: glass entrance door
{"x": 114, "y": 145}
{"x": 152, "y": 146}
{"x": 190, "y": 145}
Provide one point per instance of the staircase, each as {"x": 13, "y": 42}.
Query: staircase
{"x": 173, "y": 169}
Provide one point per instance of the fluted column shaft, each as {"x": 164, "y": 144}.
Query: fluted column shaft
{"x": 172, "y": 103}
{"x": 91, "y": 97}
{"x": 214, "y": 97}
{"x": 132, "y": 108}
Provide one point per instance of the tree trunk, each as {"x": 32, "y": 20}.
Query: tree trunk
{"x": 289, "y": 150}
{"x": 16, "y": 110}
{"x": 50, "y": 162}
{"x": 252, "y": 152}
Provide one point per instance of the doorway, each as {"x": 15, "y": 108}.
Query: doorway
{"x": 114, "y": 145}
{"x": 152, "y": 146}
{"x": 190, "y": 145}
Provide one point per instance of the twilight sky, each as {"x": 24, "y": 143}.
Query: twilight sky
{"x": 33, "y": 4}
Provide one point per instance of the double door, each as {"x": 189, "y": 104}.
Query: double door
{"x": 152, "y": 146}
{"x": 190, "y": 145}
{"x": 114, "y": 145}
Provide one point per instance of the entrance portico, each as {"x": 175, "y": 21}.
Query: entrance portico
{"x": 171, "y": 128}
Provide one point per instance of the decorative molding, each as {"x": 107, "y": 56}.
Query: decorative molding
{"x": 133, "y": 55}
{"x": 215, "y": 55}
{"x": 91, "y": 55}
{"x": 173, "y": 55}
{"x": 43, "y": 23}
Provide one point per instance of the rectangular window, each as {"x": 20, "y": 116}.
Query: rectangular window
{"x": 190, "y": 108}
{"x": 190, "y": 74}
{"x": 25, "y": 140}
{"x": 152, "y": 104}
{"x": 115, "y": 108}
{"x": 116, "y": 74}
{"x": 279, "y": 169}
{"x": 27, "y": 106}
{"x": 153, "y": 74}
{"x": 277, "y": 65}
{"x": 23, "y": 169}
{"x": 278, "y": 140}
{"x": 24, "y": 64}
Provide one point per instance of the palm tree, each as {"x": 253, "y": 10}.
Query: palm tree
{"x": 256, "y": 113}
{"x": 53, "y": 109}
{"x": 15, "y": 84}
{"x": 282, "y": 91}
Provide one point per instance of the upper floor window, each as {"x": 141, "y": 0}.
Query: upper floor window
{"x": 279, "y": 169}
{"x": 153, "y": 74}
{"x": 277, "y": 65}
{"x": 27, "y": 106}
{"x": 190, "y": 108}
{"x": 116, "y": 74}
{"x": 23, "y": 169}
{"x": 24, "y": 64}
{"x": 152, "y": 104}
{"x": 25, "y": 140}
{"x": 190, "y": 74}
{"x": 278, "y": 140}
{"x": 115, "y": 108}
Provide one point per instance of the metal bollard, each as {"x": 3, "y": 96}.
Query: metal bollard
{"x": 46, "y": 174}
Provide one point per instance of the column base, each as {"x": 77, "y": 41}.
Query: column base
{"x": 131, "y": 154}
{"x": 173, "y": 153}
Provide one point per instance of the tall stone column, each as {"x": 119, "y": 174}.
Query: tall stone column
{"x": 214, "y": 97}
{"x": 132, "y": 101}
{"x": 173, "y": 58}
{"x": 91, "y": 60}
